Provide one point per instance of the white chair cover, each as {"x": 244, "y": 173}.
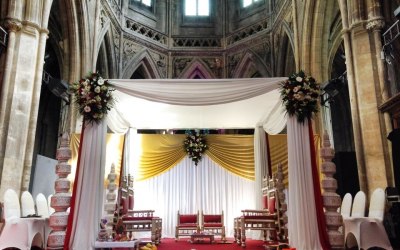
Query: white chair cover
{"x": 22, "y": 233}
{"x": 359, "y": 204}
{"x": 41, "y": 205}
{"x": 51, "y": 210}
{"x": 27, "y": 204}
{"x": 12, "y": 209}
{"x": 345, "y": 209}
{"x": 369, "y": 231}
{"x": 377, "y": 204}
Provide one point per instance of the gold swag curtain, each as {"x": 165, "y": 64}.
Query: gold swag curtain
{"x": 160, "y": 153}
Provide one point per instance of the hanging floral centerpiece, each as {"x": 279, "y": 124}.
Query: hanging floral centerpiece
{"x": 195, "y": 145}
{"x": 93, "y": 96}
{"x": 300, "y": 95}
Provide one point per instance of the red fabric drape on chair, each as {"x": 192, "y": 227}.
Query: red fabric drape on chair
{"x": 322, "y": 230}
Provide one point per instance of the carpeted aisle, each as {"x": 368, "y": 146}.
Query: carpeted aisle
{"x": 184, "y": 244}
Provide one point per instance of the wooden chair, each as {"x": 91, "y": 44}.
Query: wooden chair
{"x": 137, "y": 220}
{"x": 214, "y": 224}
{"x": 271, "y": 219}
{"x": 143, "y": 221}
{"x": 187, "y": 224}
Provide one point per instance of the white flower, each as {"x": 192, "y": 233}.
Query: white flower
{"x": 97, "y": 89}
{"x": 87, "y": 109}
{"x": 299, "y": 79}
{"x": 100, "y": 81}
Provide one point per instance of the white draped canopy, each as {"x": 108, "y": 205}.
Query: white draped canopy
{"x": 188, "y": 104}
{"x": 197, "y": 103}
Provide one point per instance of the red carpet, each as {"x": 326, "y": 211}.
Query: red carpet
{"x": 184, "y": 244}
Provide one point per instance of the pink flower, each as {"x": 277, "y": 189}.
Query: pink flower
{"x": 87, "y": 109}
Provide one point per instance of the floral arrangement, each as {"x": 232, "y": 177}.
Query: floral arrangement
{"x": 93, "y": 95}
{"x": 300, "y": 95}
{"x": 195, "y": 145}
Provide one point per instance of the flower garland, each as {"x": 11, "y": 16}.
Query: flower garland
{"x": 195, "y": 145}
{"x": 300, "y": 95}
{"x": 93, "y": 95}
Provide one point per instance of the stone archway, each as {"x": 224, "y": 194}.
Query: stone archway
{"x": 142, "y": 59}
{"x": 197, "y": 69}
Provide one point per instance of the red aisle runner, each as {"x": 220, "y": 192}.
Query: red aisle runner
{"x": 323, "y": 235}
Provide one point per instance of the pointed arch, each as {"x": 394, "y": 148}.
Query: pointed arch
{"x": 106, "y": 55}
{"x": 197, "y": 69}
{"x": 144, "y": 59}
{"x": 251, "y": 64}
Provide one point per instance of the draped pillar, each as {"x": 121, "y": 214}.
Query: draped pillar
{"x": 302, "y": 224}
{"x": 87, "y": 197}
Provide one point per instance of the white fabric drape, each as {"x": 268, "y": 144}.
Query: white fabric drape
{"x": 188, "y": 188}
{"x": 182, "y": 104}
{"x": 89, "y": 193}
{"x": 302, "y": 224}
{"x": 260, "y": 162}
{"x": 196, "y": 92}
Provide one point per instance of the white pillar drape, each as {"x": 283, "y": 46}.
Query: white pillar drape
{"x": 302, "y": 216}
{"x": 260, "y": 162}
{"x": 89, "y": 194}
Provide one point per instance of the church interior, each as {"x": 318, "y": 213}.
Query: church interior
{"x": 351, "y": 49}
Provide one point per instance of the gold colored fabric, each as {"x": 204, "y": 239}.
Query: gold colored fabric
{"x": 235, "y": 153}
{"x": 114, "y": 147}
{"x": 159, "y": 154}
{"x": 278, "y": 154}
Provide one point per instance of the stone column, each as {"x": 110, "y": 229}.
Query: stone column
{"x": 352, "y": 93}
{"x": 375, "y": 25}
{"x": 330, "y": 198}
{"x": 365, "y": 96}
{"x": 27, "y": 25}
{"x": 61, "y": 200}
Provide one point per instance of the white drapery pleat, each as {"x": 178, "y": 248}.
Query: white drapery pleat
{"x": 188, "y": 188}
{"x": 196, "y": 92}
{"x": 260, "y": 162}
{"x": 302, "y": 216}
{"x": 89, "y": 193}
{"x": 195, "y": 103}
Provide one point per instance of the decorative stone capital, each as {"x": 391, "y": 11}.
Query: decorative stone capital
{"x": 375, "y": 24}
{"x": 31, "y": 25}
{"x": 13, "y": 25}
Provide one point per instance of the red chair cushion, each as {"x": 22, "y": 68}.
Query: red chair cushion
{"x": 212, "y": 224}
{"x": 124, "y": 205}
{"x": 131, "y": 202}
{"x": 188, "y": 218}
{"x": 271, "y": 205}
{"x": 212, "y": 218}
{"x": 188, "y": 225}
{"x": 265, "y": 202}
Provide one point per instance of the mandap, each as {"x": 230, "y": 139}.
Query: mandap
{"x": 203, "y": 104}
